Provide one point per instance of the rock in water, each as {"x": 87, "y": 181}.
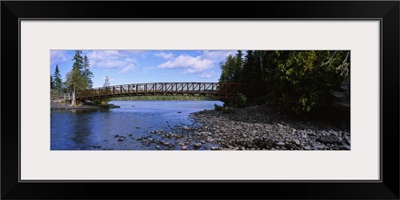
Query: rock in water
{"x": 214, "y": 148}
{"x": 197, "y": 145}
{"x": 184, "y": 148}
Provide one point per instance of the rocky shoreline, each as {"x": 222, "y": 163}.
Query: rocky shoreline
{"x": 262, "y": 128}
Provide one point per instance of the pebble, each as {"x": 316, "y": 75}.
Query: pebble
{"x": 197, "y": 145}
{"x": 280, "y": 144}
{"x": 184, "y": 148}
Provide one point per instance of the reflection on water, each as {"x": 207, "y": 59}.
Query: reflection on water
{"x": 121, "y": 128}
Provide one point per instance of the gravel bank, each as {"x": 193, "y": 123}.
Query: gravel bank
{"x": 261, "y": 128}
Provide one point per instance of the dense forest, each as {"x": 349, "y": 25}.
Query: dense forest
{"x": 297, "y": 81}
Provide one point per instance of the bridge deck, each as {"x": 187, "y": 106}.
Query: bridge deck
{"x": 217, "y": 90}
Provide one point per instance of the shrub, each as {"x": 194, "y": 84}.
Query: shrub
{"x": 228, "y": 110}
{"x": 303, "y": 81}
{"x": 217, "y": 108}
{"x": 240, "y": 100}
{"x": 101, "y": 102}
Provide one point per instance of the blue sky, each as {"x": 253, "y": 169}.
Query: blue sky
{"x": 126, "y": 66}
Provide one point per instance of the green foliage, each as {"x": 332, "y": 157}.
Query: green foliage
{"x": 228, "y": 69}
{"x": 240, "y": 100}
{"x": 297, "y": 81}
{"x": 51, "y": 82}
{"x": 218, "y": 108}
{"x": 302, "y": 81}
{"x": 80, "y": 75}
{"x": 57, "y": 81}
{"x": 228, "y": 110}
{"x": 87, "y": 73}
{"x": 101, "y": 102}
{"x": 223, "y": 109}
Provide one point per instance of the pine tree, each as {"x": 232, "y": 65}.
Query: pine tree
{"x": 80, "y": 75}
{"x": 78, "y": 60}
{"x": 51, "y": 82}
{"x": 57, "y": 81}
{"x": 106, "y": 82}
{"x": 87, "y": 73}
{"x": 238, "y": 67}
{"x": 228, "y": 70}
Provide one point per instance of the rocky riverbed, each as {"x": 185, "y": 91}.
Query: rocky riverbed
{"x": 262, "y": 128}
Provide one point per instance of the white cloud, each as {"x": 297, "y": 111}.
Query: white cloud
{"x": 127, "y": 68}
{"x": 164, "y": 55}
{"x": 110, "y": 59}
{"x": 208, "y": 74}
{"x": 204, "y": 64}
{"x": 123, "y": 60}
{"x": 58, "y": 57}
{"x": 218, "y": 55}
{"x": 189, "y": 63}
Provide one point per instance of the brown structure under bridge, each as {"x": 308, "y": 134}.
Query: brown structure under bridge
{"x": 211, "y": 89}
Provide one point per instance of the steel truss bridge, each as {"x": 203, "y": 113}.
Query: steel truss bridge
{"x": 216, "y": 90}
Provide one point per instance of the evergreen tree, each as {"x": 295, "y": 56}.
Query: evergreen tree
{"x": 80, "y": 75}
{"x": 87, "y": 73}
{"x": 78, "y": 60}
{"x": 57, "y": 81}
{"x": 238, "y": 67}
{"x": 298, "y": 81}
{"x": 106, "y": 82}
{"x": 51, "y": 82}
{"x": 228, "y": 70}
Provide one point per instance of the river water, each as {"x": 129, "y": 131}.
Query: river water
{"x": 124, "y": 128}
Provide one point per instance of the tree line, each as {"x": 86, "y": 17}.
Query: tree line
{"x": 296, "y": 81}
{"x": 79, "y": 78}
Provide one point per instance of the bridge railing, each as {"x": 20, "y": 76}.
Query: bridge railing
{"x": 218, "y": 90}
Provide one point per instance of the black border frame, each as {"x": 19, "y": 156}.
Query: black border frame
{"x": 386, "y": 11}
